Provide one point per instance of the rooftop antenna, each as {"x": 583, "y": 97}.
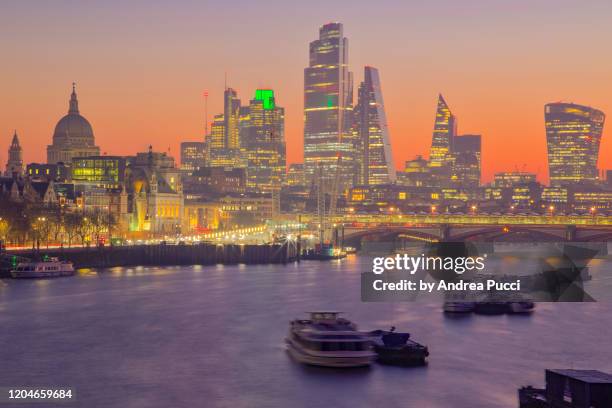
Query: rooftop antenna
{"x": 205, "y": 94}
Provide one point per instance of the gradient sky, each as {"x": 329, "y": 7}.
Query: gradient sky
{"x": 141, "y": 67}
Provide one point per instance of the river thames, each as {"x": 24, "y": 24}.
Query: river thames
{"x": 213, "y": 337}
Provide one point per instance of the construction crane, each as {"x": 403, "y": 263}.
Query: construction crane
{"x": 326, "y": 216}
{"x": 321, "y": 203}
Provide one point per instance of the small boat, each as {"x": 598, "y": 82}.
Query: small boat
{"x": 458, "y": 307}
{"x": 328, "y": 340}
{"x": 491, "y": 308}
{"x": 457, "y": 303}
{"x": 349, "y": 250}
{"x": 45, "y": 268}
{"x": 397, "y": 349}
{"x": 520, "y": 307}
{"x": 324, "y": 252}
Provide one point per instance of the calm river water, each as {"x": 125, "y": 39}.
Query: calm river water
{"x": 213, "y": 337}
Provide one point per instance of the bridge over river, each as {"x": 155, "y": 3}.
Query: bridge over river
{"x": 460, "y": 227}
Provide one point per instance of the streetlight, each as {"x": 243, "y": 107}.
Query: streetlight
{"x": 433, "y": 209}
{"x": 552, "y": 210}
{"x": 473, "y": 208}
{"x": 593, "y": 211}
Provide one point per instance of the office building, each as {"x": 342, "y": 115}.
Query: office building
{"x": 328, "y": 111}
{"x": 223, "y": 143}
{"x": 374, "y": 157}
{"x": 466, "y": 161}
{"x": 573, "y": 135}
{"x": 445, "y": 130}
{"x": 99, "y": 171}
{"x": 192, "y": 157}
{"x": 262, "y": 141}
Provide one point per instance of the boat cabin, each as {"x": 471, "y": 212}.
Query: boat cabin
{"x": 570, "y": 389}
{"x": 324, "y": 317}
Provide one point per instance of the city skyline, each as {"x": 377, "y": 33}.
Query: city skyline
{"x": 512, "y": 129}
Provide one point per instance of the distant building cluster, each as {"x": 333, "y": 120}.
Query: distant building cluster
{"x": 237, "y": 173}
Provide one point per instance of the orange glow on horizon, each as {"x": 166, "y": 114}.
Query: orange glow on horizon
{"x": 142, "y": 83}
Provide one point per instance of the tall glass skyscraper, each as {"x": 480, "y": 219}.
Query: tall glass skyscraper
{"x": 466, "y": 165}
{"x": 328, "y": 96}
{"x": 445, "y": 130}
{"x": 262, "y": 139}
{"x": 223, "y": 143}
{"x": 573, "y": 135}
{"x": 374, "y": 155}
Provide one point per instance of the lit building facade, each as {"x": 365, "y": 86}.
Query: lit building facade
{"x": 155, "y": 200}
{"x": 513, "y": 178}
{"x": 573, "y": 135}
{"x": 212, "y": 181}
{"x": 192, "y": 156}
{"x": 58, "y": 172}
{"x": 262, "y": 140}
{"x": 295, "y": 175}
{"x": 223, "y": 143}
{"x": 466, "y": 161}
{"x": 416, "y": 173}
{"x": 328, "y": 111}
{"x": 245, "y": 209}
{"x": 374, "y": 157}
{"x": 445, "y": 130}
{"x": 99, "y": 171}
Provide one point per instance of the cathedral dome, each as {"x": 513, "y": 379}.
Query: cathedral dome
{"x": 73, "y": 129}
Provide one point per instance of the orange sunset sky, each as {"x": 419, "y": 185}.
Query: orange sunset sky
{"x": 141, "y": 68}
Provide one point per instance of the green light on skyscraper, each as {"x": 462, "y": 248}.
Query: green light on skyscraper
{"x": 267, "y": 96}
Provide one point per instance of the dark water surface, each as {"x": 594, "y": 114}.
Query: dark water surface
{"x": 213, "y": 337}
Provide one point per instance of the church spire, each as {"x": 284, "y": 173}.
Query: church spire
{"x": 74, "y": 103}
{"x": 15, "y": 141}
{"x": 14, "y": 164}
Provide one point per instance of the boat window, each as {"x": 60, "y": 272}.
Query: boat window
{"x": 330, "y": 346}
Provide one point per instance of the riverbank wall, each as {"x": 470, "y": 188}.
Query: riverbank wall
{"x": 165, "y": 255}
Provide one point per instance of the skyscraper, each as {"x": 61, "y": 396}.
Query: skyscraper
{"x": 73, "y": 136}
{"x": 445, "y": 130}
{"x": 223, "y": 143}
{"x": 262, "y": 140}
{"x": 573, "y": 135}
{"x": 466, "y": 161}
{"x": 231, "y": 114}
{"x": 374, "y": 155}
{"x": 14, "y": 163}
{"x": 328, "y": 96}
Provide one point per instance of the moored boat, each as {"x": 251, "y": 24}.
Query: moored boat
{"x": 45, "y": 268}
{"x": 324, "y": 253}
{"x": 457, "y": 303}
{"x": 491, "y": 308}
{"x": 397, "y": 349}
{"x": 524, "y": 306}
{"x": 327, "y": 340}
{"x": 458, "y": 307}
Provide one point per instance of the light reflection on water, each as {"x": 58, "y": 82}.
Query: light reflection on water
{"x": 213, "y": 336}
